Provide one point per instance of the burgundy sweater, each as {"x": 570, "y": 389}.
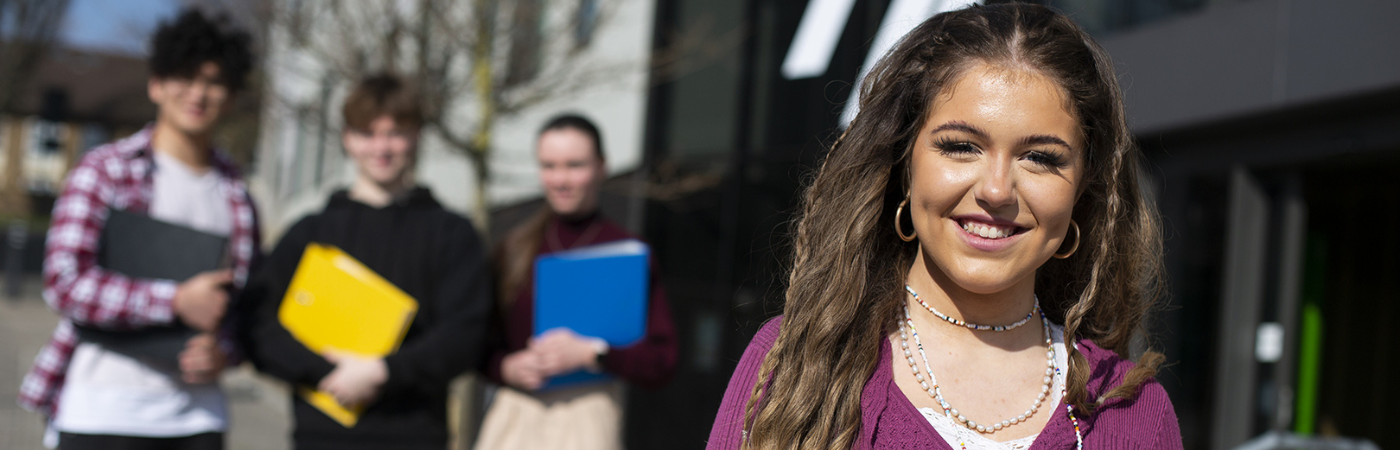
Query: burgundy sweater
{"x": 649, "y": 363}
{"x": 890, "y": 421}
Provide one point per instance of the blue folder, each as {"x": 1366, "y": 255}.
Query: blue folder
{"x": 599, "y": 291}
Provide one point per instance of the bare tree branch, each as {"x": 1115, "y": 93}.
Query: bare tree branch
{"x": 477, "y": 61}
{"x": 27, "y": 29}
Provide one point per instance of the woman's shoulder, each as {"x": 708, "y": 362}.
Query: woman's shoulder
{"x": 1104, "y": 362}
{"x": 759, "y": 346}
{"x": 1147, "y": 416}
{"x": 1106, "y": 368}
{"x": 728, "y": 427}
{"x": 767, "y": 334}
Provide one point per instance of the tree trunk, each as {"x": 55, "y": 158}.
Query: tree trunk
{"x": 483, "y": 75}
{"x": 481, "y": 211}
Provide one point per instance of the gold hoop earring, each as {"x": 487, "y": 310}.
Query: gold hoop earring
{"x": 1076, "y": 242}
{"x": 898, "y": 229}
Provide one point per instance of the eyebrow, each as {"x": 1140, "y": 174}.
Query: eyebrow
{"x": 958, "y": 125}
{"x": 1035, "y": 139}
{"x": 1044, "y": 139}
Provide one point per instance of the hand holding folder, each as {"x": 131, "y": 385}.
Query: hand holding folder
{"x": 335, "y": 303}
{"x": 138, "y": 246}
{"x": 598, "y": 291}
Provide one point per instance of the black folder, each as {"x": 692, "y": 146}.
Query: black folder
{"x": 139, "y": 246}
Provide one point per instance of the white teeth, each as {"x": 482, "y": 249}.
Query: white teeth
{"x": 988, "y": 232}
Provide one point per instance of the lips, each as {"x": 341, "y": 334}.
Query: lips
{"x": 987, "y": 235}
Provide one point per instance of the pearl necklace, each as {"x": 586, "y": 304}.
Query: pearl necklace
{"x": 973, "y": 326}
{"x": 1069, "y": 409}
{"x": 936, "y": 392}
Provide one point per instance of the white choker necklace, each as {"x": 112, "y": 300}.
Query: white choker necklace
{"x": 972, "y": 326}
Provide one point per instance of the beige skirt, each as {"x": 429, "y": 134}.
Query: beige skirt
{"x": 587, "y": 417}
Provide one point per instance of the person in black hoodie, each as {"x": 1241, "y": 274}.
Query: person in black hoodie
{"x": 398, "y": 230}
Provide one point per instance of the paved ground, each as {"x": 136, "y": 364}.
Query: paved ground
{"x": 259, "y": 406}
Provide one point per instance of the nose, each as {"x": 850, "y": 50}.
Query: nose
{"x": 996, "y": 187}
{"x": 385, "y": 142}
{"x": 550, "y": 178}
{"x": 380, "y": 142}
{"x": 198, "y": 90}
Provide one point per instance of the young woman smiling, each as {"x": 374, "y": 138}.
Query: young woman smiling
{"x": 991, "y": 257}
{"x": 588, "y": 416}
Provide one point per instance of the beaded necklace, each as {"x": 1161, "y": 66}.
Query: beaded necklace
{"x": 973, "y": 326}
{"x": 936, "y": 392}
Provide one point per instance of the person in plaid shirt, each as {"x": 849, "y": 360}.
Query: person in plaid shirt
{"x": 96, "y": 398}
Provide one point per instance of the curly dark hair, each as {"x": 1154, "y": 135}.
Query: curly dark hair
{"x": 180, "y": 46}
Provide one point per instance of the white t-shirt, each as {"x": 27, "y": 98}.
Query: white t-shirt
{"x": 958, "y": 436}
{"x": 111, "y": 393}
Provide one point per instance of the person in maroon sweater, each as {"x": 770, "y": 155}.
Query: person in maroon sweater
{"x": 572, "y": 169}
{"x": 973, "y": 259}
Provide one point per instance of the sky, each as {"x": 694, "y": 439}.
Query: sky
{"x": 121, "y": 26}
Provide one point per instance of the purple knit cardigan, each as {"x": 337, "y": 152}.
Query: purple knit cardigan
{"x": 890, "y": 421}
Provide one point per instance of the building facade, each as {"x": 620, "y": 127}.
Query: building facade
{"x": 74, "y": 100}
{"x": 1270, "y": 124}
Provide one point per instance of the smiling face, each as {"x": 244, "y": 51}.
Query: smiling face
{"x": 190, "y": 105}
{"x": 570, "y": 170}
{"x": 994, "y": 174}
{"x": 383, "y": 153}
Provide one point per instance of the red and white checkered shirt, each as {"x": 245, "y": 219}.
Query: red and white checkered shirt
{"x": 117, "y": 175}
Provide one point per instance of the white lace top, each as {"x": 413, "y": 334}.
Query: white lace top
{"x": 959, "y": 436}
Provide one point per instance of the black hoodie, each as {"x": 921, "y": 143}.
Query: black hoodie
{"x": 432, "y": 255}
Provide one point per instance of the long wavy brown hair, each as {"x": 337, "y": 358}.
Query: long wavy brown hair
{"x": 845, "y": 287}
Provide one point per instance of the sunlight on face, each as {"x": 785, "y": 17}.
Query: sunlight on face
{"x": 570, "y": 171}
{"x": 995, "y": 173}
{"x": 384, "y": 153}
{"x": 191, "y": 105}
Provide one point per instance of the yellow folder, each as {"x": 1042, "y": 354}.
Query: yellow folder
{"x": 335, "y": 302}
